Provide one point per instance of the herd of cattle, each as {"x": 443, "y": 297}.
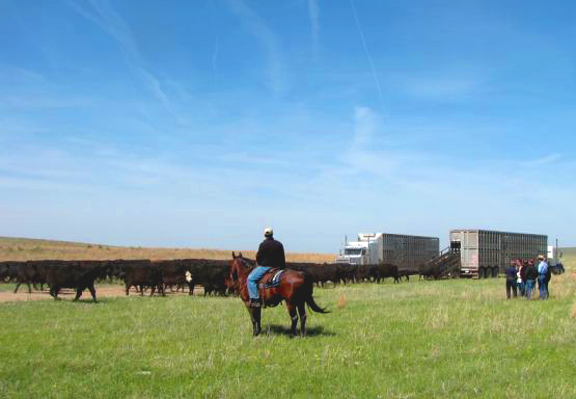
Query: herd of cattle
{"x": 164, "y": 275}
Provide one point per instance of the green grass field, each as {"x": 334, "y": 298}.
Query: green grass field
{"x": 422, "y": 339}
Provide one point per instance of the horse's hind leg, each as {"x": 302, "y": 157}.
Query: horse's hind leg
{"x": 293, "y": 316}
{"x": 302, "y": 313}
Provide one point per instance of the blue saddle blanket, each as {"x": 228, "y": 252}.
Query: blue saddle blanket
{"x": 274, "y": 282}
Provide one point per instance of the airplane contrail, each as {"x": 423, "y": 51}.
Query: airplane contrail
{"x": 367, "y": 54}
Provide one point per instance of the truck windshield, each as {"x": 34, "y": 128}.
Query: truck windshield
{"x": 352, "y": 251}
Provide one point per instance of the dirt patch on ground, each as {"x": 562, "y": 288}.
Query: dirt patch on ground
{"x": 67, "y": 294}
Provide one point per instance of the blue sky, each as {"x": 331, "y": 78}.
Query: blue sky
{"x": 199, "y": 123}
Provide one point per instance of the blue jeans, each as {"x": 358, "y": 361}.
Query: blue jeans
{"x": 522, "y": 288}
{"x": 511, "y": 286}
{"x": 253, "y": 277}
{"x": 543, "y": 285}
{"x": 529, "y": 287}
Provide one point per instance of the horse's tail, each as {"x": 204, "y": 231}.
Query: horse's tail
{"x": 310, "y": 302}
{"x": 309, "y": 298}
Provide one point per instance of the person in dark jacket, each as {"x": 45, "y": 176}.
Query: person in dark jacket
{"x": 511, "y": 279}
{"x": 530, "y": 277}
{"x": 270, "y": 254}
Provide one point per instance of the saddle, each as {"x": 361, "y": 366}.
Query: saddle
{"x": 271, "y": 279}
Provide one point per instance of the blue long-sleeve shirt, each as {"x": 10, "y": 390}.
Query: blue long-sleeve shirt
{"x": 542, "y": 267}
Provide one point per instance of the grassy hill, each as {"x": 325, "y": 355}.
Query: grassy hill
{"x": 21, "y": 249}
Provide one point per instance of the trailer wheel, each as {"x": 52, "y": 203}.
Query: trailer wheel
{"x": 481, "y": 273}
{"x": 495, "y": 271}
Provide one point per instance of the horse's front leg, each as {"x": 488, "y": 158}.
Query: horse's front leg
{"x": 293, "y": 316}
{"x": 255, "y": 315}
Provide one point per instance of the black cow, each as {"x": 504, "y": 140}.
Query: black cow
{"x": 5, "y": 271}
{"x": 320, "y": 273}
{"x": 79, "y": 275}
{"x": 406, "y": 273}
{"x": 346, "y": 273}
{"x": 175, "y": 273}
{"x": 430, "y": 270}
{"x": 363, "y": 272}
{"x": 377, "y": 273}
{"x": 29, "y": 273}
{"x": 382, "y": 271}
{"x": 210, "y": 274}
{"x": 140, "y": 274}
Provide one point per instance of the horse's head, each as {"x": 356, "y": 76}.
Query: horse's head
{"x": 237, "y": 269}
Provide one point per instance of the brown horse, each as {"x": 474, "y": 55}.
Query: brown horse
{"x": 295, "y": 288}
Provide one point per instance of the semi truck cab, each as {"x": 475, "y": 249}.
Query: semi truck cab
{"x": 353, "y": 253}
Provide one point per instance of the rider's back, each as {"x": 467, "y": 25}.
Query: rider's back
{"x": 271, "y": 254}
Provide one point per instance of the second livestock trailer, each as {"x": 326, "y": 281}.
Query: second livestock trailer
{"x": 485, "y": 253}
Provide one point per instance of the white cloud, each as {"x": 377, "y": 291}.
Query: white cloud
{"x": 543, "y": 160}
{"x": 14, "y": 102}
{"x": 363, "y": 154}
{"x": 365, "y": 124}
{"x": 19, "y": 74}
{"x": 439, "y": 88}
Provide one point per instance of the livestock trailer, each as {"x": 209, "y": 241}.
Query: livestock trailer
{"x": 485, "y": 253}
{"x": 409, "y": 252}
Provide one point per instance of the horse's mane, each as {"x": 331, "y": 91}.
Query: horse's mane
{"x": 250, "y": 262}
{"x": 246, "y": 262}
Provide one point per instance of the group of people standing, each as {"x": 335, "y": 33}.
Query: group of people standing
{"x": 522, "y": 276}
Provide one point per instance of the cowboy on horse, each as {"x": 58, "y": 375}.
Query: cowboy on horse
{"x": 270, "y": 254}
{"x": 291, "y": 286}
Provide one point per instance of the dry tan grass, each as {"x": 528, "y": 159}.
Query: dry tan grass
{"x": 22, "y": 249}
{"x": 342, "y": 302}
